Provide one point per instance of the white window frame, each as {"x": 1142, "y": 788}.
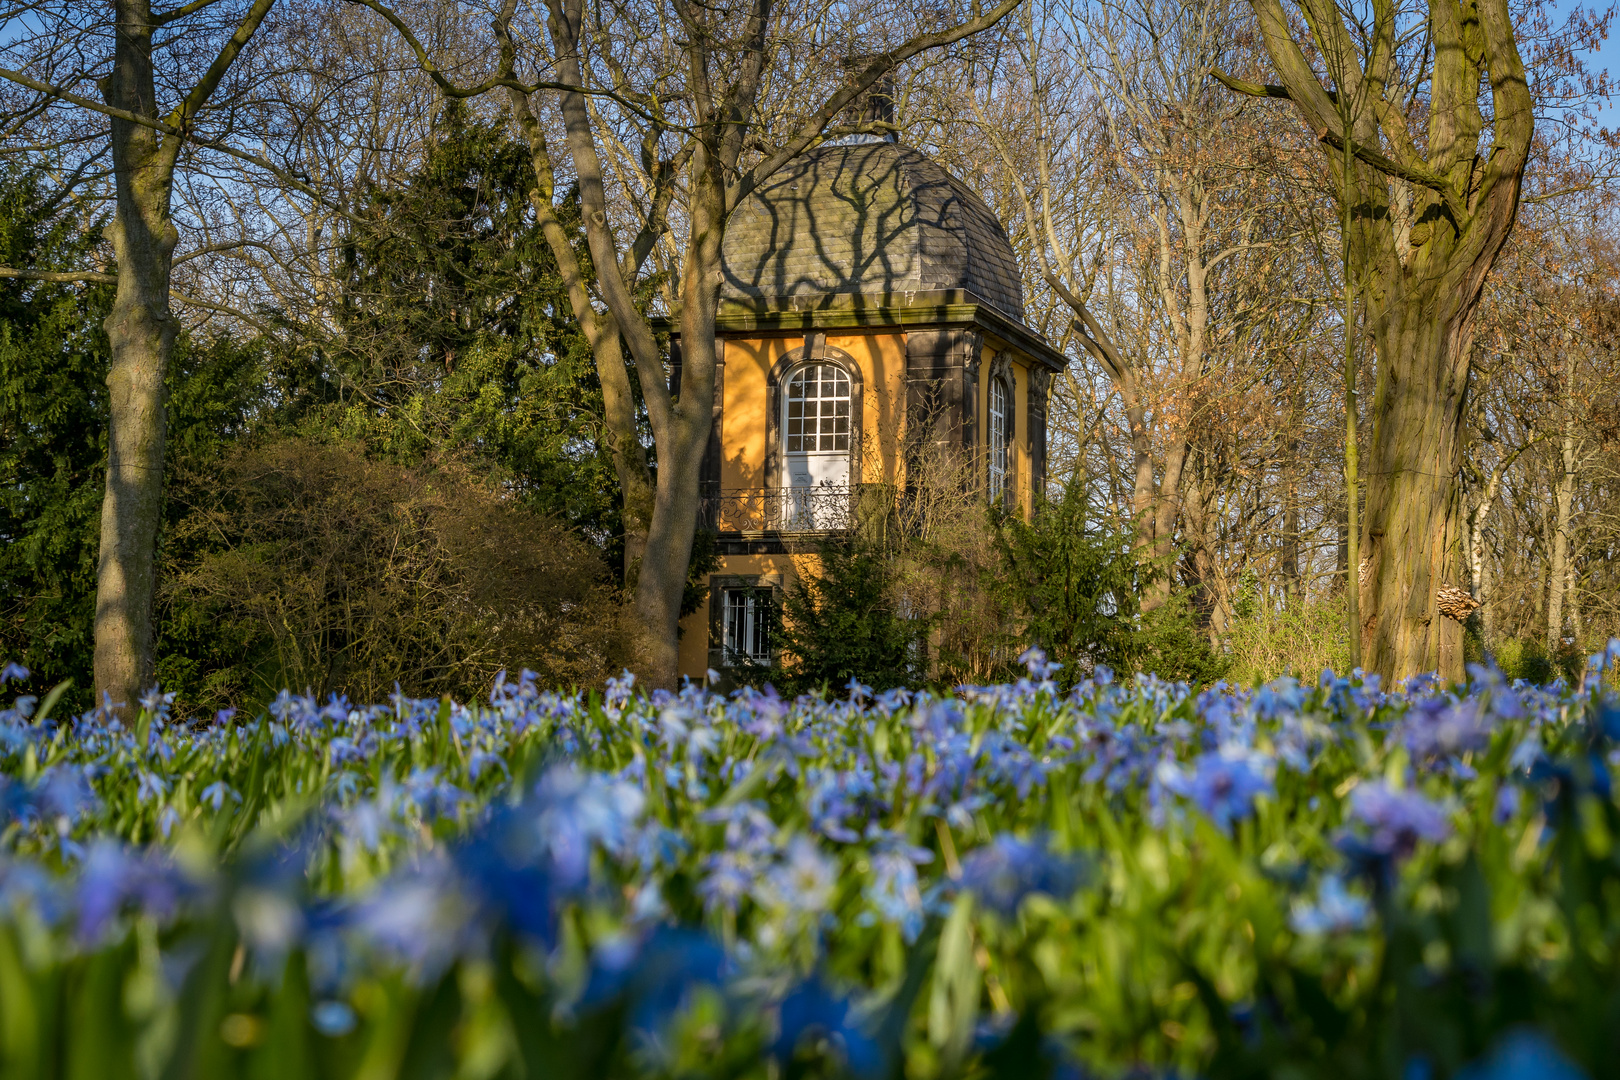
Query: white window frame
{"x": 827, "y": 427}
{"x": 745, "y": 623}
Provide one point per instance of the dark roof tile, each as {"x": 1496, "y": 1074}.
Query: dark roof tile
{"x": 869, "y": 218}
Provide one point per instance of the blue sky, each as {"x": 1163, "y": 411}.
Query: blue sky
{"x": 1607, "y": 58}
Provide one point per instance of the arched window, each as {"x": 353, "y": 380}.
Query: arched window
{"x": 816, "y": 437}
{"x": 816, "y": 418}
{"x": 1000, "y": 403}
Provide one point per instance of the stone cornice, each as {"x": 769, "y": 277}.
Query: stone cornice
{"x": 852, "y": 311}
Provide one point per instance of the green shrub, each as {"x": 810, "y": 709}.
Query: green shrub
{"x": 1527, "y": 659}
{"x": 1169, "y": 642}
{"x": 841, "y": 621}
{"x": 1078, "y": 585}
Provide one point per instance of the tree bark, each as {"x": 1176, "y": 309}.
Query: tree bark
{"x": 1412, "y": 527}
{"x": 686, "y": 430}
{"x": 1564, "y": 497}
{"x": 141, "y": 332}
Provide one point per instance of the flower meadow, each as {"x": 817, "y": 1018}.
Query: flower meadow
{"x": 1120, "y": 878}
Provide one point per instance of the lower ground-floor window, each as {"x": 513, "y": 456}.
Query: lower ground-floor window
{"x": 747, "y": 620}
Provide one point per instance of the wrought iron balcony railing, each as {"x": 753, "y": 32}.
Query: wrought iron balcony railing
{"x": 825, "y": 508}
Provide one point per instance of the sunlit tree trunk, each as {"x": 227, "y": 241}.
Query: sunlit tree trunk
{"x": 686, "y": 430}
{"x": 1412, "y": 532}
{"x": 620, "y": 427}
{"x": 141, "y": 332}
{"x": 1558, "y": 571}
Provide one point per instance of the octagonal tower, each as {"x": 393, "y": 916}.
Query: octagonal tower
{"x": 872, "y": 336}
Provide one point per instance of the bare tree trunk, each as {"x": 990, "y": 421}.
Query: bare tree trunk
{"x": 1572, "y": 596}
{"x": 1483, "y": 593}
{"x": 686, "y": 431}
{"x": 1293, "y": 587}
{"x": 1341, "y": 564}
{"x": 141, "y": 331}
{"x": 1413, "y": 529}
{"x": 1564, "y": 497}
{"x": 1212, "y": 597}
{"x": 601, "y": 330}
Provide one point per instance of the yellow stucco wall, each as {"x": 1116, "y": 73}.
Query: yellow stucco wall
{"x": 742, "y": 410}
{"x": 881, "y": 358}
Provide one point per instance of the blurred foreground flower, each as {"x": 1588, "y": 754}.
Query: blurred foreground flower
{"x": 1008, "y": 869}
{"x": 1398, "y": 819}
{"x": 813, "y": 1011}
{"x": 1223, "y": 784}
{"x": 1524, "y": 1054}
{"x": 1336, "y": 910}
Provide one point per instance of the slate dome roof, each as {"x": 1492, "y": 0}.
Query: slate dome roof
{"x": 871, "y": 218}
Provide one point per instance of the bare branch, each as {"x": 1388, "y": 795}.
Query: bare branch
{"x": 89, "y": 276}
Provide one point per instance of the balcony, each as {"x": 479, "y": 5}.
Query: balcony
{"x": 827, "y": 508}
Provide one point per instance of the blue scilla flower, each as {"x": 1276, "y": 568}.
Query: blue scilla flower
{"x": 1277, "y": 698}
{"x": 115, "y": 877}
{"x": 1508, "y": 799}
{"x": 216, "y": 793}
{"x": 1223, "y": 783}
{"x": 1008, "y": 869}
{"x": 813, "y": 1010}
{"x": 369, "y": 820}
{"x": 749, "y": 827}
{"x": 12, "y": 670}
{"x": 1039, "y": 667}
{"x": 64, "y": 791}
{"x": 25, "y": 886}
{"x": 433, "y": 797}
{"x": 150, "y": 786}
{"x": 837, "y": 795}
{"x": 1578, "y": 773}
{"x": 1524, "y": 1054}
{"x": 728, "y": 876}
{"x": 619, "y": 694}
{"x": 802, "y": 883}
{"x": 895, "y": 894}
{"x": 333, "y": 1019}
{"x": 1335, "y": 911}
{"x": 157, "y": 703}
{"x": 1606, "y": 713}
{"x": 1437, "y": 727}
{"x": 423, "y": 917}
{"x": 482, "y": 761}
{"x": 342, "y": 751}
{"x": 572, "y": 810}
{"x": 16, "y": 800}
{"x": 267, "y": 900}
{"x": 1397, "y": 819}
